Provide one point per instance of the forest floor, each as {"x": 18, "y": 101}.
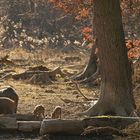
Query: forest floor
{"x": 62, "y": 92}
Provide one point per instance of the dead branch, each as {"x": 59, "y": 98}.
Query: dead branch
{"x": 6, "y": 61}
{"x": 77, "y": 87}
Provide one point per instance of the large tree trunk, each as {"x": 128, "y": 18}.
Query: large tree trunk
{"x": 116, "y": 88}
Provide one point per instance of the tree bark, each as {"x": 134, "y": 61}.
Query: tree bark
{"x": 8, "y": 123}
{"x": 76, "y": 127}
{"x": 29, "y": 126}
{"x": 54, "y": 126}
{"x": 90, "y": 68}
{"x": 116, "y": 86}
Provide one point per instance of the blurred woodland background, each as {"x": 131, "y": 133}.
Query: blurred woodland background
{"x": 38, "y": 24}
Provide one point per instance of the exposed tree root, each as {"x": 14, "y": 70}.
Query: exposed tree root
{"x": 86, "y": 73}
{"x": 90, "y": 112}
{"x": 90, "y": 68}
{"x": 92, "y": 78}
{"x": 80, "y": 76}
{"x": 99, "y": 109}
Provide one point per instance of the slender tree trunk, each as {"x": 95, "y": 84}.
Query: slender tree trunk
{"x": 116, "y": 88}
{"x": 90, "y": 68}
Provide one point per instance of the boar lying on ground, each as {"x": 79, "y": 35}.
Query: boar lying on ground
{"x": 7, "y": 106}
{"x": 9, "y": 92}
{"x": 39, "y": 111}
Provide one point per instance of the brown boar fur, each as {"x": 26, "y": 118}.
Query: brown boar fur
{"x": 9, "y": 92}
{"x": 39, "y": 111}
{"x": 7, "y": 106}
{"x": 56, "y": 114}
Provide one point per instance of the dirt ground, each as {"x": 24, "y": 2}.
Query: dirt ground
{"x": 49, "y": 95}
{"x": 61, "y": 92}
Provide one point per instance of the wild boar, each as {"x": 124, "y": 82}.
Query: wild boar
{"x": 7, "y": 106}
{"x": 56, "y": 114}
{"x": 39, "y": 111}
{"x": 9, "y": 92}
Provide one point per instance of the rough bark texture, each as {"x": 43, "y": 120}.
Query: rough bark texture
{"x": 90, "y": 68}
{"x": 76, "y": 127}
{"x": 8, "y": 123}
{"x": 116, "y": 88}
{"x": 28, "y": 126}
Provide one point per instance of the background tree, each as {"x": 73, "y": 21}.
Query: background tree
{"x": 116, "y": 83}
{"x": 116, "y": 96}
{"x": 39, "y": 20}
{"x": 83, "y": 9}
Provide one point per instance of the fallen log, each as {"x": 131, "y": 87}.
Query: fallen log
{"x": 28, "y": 126}
{"x": 76, "y": 127}
{"x": 28, "y": 74}
{"x": 8, "y": 123}
{"x": 113, "y": 121}
{"x": 40, "y": 77}
{"x": 22, "y": 117}
{"x": 66, "y": 127}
